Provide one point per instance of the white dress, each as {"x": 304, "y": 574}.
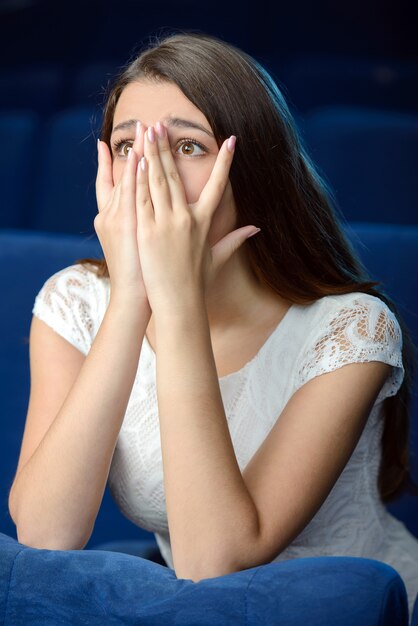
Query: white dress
{"x": 310, "y": 340}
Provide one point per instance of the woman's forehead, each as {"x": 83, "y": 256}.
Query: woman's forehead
{"x": 150, "y": 101}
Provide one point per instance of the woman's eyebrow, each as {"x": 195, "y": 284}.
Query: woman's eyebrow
{"x": 175, "y": 122}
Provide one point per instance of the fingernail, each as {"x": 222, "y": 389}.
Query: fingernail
{"x": 231, "y": 143}
{"x": 143, "y": 163}
{"x": 138, "y": 128}
{"x": 160, "y": 130}
{"x": 131, "y": 151}
{"x": 98, "y": 146}
{"x": 253, "y": 233}
{"x": 151, "y": 134}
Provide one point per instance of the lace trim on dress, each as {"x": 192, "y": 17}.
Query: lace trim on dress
{"x": 68, "y": 303}
{"x": 365, "y": 330}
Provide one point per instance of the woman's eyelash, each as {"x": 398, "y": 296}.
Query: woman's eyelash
{"x": 118, "y": 144}
{"x": 190, "y": 140}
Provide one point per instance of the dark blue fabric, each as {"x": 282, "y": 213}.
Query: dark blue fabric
{"x": 92, "y": 587}
{"x": 368, "y": 157}
{"x": 146, "y": 548}
{"x": 20, "y": 132}
{"x": 36, "y": 88}
{"x": 66, "y": 198}
{"x": 317, "y": 80}
{"x": 414, "y": 621}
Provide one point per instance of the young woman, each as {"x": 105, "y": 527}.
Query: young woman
{"x": 246, "y": 396}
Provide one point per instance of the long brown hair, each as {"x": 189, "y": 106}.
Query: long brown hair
{"x": 303, "y": 254}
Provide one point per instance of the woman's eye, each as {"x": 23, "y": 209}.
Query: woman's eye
{"x": 121, "y": 145}
{"x": 190, "y": 147}
{"x": 186, "y": 147}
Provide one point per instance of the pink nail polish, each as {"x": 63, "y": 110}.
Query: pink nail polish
{"x": 138, "y": 128}
{"x": 151, "y": 134}
{"x": 253, "y": 233}
{"x": 160, "y": 130}
{"x": 231, "y": 143}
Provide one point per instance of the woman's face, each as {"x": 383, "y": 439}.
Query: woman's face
{"x": 194, "y": 149}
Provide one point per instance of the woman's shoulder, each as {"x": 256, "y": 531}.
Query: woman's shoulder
{"x": 370, "y": 314}
{"x": 356, "y": 298}
{"x": 349, "y": 328}
{"x": 354, "y": 317}
{"x": 73, "y": 301}
{"x": 352, "y": 305}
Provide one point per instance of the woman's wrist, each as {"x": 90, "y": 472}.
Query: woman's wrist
{"x": 131, "y": 301}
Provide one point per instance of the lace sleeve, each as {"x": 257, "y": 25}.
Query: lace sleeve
{"x": 363, "y": 330}
{"x": 69, "y": 302}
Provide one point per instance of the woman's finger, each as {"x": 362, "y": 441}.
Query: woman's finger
{"x": 127, "y": 183}
{"x": 213, "y": 191}
{"x": 137, "y": 148}
{"x": 142, "y": 195}
{"x": 158, "y": 185}
{"x": 144, "y": 207}
{"x": 138, "y": 144}
{"x": 104, "y": 178}
{"x": 175, "y": 184}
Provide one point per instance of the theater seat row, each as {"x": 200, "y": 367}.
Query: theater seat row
{"x": 48, "y": 167}
{"x": 308, "y": 82}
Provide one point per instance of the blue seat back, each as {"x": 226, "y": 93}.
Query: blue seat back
{"x": 369, "y": 157}
{"x": 20, "y": 139}
{"x": 318, "y": 80}
{"x": 66, "y": 196}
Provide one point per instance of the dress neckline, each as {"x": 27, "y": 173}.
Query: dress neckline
{"x": 244, "y": 368}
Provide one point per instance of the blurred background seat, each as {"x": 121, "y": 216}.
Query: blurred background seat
{"x": 65, "y": 198}
{"x": 39, "y": 87}
{"x": 89, "y": 82}
{"x": 20, "y": 140}
{"x": 320, "y": 80}
{"x": 370, "y": 159}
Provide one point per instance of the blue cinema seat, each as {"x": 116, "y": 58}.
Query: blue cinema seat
{"x": 65, "y": 195}
{"x": 89, "y": 82}
{"x": 369, "y": 156}
{"x": 39, "y": 87}
{"x": 100, "y": 584}
{"x": 78, "y": 587}
{"x": 20, "y": 138}
{"x": 317, "y": 80}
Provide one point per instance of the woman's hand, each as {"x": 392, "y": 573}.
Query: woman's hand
{"x": 116, "y": 223}
{"x": 177, "y": 262}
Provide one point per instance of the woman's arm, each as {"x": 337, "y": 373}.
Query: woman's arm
{"x": 56, "y": 496}
{"x": 209, "y": 507}
{"x": 220, "y": 520}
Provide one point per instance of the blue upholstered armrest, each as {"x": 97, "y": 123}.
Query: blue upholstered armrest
{"x": 95, "y": 587}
